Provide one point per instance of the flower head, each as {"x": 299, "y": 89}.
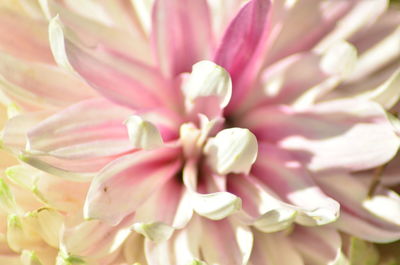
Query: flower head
{"x": 208, "y": 127}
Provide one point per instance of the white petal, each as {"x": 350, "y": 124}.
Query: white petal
{"x": 208, "y": 79}
{"x": 340, "y": 59}
{"x": 154, "y": 231}
{"x": 216, "y": 206}
{"x": 386, "y": 207}
{"x": 388, "y": 93}
{"x": 232, "y": 150}
{"x": 143, "y": 134}
{"x": 57, "y": 44}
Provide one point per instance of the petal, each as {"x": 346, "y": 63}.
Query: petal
{"x": 94, "y": 239}
{"x": 180, "y": 40}
{"x": 143, "y": 134}
{"x": 121, "y": 187}
{"x": 297, "y": 29}
{"x": 318, "y": 245}
{"x": 225, "y": 242}
{"x": 267, "y": 213}
{"x": 363, "y": 217}
{"x": 279, "y": 171}
{"x": 156, "y": 231}
{"x": 16, "y": 128}
{"x": 232, "y": 150}
{"x": 213, "y": 205}
{"x": 242, "y": 48}
{"x": 274, "y": 249}
{"x": 24, "y": 37}
{"x": 320, "y": 135}
{"x": 124, "y": 81}
{"x": 176, "y": 212}
{"x": 91, "y": 128}
{"x": 126, "y": 42}
{"x": 208, "y": 79}
{"x": 37, "y": 84}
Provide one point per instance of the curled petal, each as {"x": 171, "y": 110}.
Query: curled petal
{"x": 208, "y": 79}
{"x": 232, "y": 150}
{"x": 143, "y": 134}
{"x": 154, "y": 231}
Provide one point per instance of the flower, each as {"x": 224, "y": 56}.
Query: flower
{"x": 210, "y": 127}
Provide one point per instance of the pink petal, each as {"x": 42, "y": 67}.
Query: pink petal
{"x": 283, "y": 174}
{"x": 92, "y": 128}
{"x": 94, "y": 239}
{"x": 356, "y": 219}
{"x": 34, "y": 84}
{"x": 242, "y": 47}
{"x": 176, "y": 210}
{"x": 128, "y": 43}
{"x": 121, "y": 79}
{"x": 16, "y": 128}
{"x": 121, "y": 187}
{"x": 299, "y": 29}
{"x": 24, "y": 37}
{"x": 274, "y": 249}
{"x": 225, "y": 242}
{"x": 181, "y": 34}
{"x": 320, "y": 135}
{"x": 317, "y": 245}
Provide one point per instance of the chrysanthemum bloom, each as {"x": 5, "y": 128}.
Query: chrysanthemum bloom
{"x": 244, "y": 145}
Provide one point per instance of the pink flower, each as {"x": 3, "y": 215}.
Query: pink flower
{"x": 252, "y": 141}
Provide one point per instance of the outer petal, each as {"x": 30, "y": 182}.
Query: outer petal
{"x": 242, "y": 47}
{"x": 180, "y": 39}
{"x": 274, "y": 249}
{"x": 37, "y": 84}
{"x": 278, "y": 170}
{"x": 267, "y": 213}
{"x": 94, "y": 239}
{"x": 320, "y": 135}
{"x": 24, "y": 37}
{"x": 92, "y": 128}
{"x": 318, "y": 245}
{"x": 121, "y": 79}
{"x": 365, "y": 218}
{"x": 298, "y": 29}
{"x": 225, "y": 242}
{"x": 122, "y": 186}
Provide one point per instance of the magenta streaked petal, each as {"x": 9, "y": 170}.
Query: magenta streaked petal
{"x": 320, "y": 135}
{"x": 360, "y": 219}
{"x": 37, "y": 85}
{"x": 120, "y": 79}
{"x": 226, "y": 242}
{"x": 91, "y": 128}
{"x": 280, "y": 171}
{"x": 242, "y": 48}
{"x": 319, "y": 245}
{"x": 181, "y": 34}
{"x": 123, "y": 185}
{"x": 274, "y": 249}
